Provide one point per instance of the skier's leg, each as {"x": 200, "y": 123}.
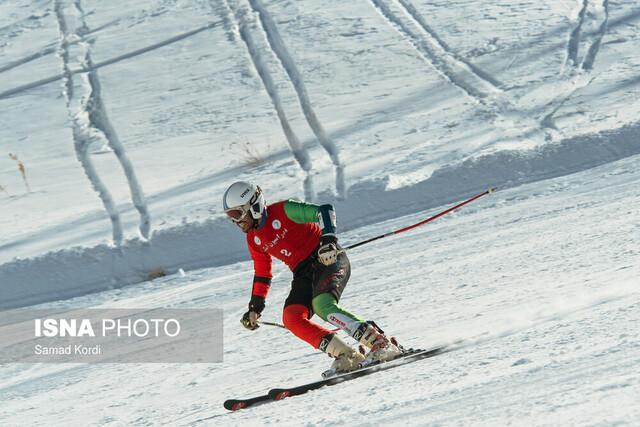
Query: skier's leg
{"x": 296, "y": 319}
{"x": 326, "y": 306}
{"x": 328, "y": 284}
{"x": 296, "y": 314}
{"x": 298, "y": 310}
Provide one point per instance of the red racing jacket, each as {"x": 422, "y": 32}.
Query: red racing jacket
{"x": 289, "y": 231}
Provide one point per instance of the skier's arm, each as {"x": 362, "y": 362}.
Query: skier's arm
{"x": 260, "y": 289}
{"x": 302, "y": 212}
{"x": 261, "y": 279}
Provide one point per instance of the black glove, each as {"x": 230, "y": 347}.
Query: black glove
{"x": 328, "y": 250}
{"x": 250, "y": 318}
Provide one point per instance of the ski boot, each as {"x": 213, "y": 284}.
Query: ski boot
{"x": 381, "y": 348}
{"x": 346, "y": 357}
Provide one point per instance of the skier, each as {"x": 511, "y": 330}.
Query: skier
{"x": 302, "y": 235}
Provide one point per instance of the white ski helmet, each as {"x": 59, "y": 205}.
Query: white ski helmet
{"x": 244, "y": 197}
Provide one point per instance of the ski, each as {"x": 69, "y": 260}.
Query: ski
{"x": 237, "y": 404}
{"x": 411, "y": 355}
{"x": 408, "y": 357}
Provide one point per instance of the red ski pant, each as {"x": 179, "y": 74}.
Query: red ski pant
{"x": 311, "y": 279}
{"x": 296, "y": 319}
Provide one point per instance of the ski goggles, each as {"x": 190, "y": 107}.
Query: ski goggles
{"x": 254, "y": 207}
{"x": 238, "y": 214}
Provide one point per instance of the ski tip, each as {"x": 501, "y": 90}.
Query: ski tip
{"x": 238, "y": 406}
{"x": 234, "y": 405}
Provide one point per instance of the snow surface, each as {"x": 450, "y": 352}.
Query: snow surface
{"x": 391, "y": 110}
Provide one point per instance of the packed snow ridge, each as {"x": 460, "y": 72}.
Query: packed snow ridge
{"x": 78, "y": 271}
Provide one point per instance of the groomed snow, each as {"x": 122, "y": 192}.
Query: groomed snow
{"x": 540, "y": 280}
{"x": 391, "y": 110}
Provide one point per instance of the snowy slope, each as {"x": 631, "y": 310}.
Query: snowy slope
{"x": 529, "y": 277}
{"x": 131, "y": 118}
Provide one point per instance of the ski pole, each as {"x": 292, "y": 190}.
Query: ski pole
{"x": 417, "y": 224}
{"x": 279, "y": 325}
{"x": 262, "y": 322}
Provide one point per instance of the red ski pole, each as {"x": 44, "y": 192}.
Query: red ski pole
{"x": 417, "y": 224}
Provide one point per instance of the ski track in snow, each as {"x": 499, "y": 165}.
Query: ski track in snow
{"x": 52, "y": 48}
{"x": 25, "y": 60}
{"x": 573, "y": 44}
{"x": 574, "y": 77}
{"x": 577, "y": 80}
{"x": 541, "y": 49}
{"x": 475, "y": 83}
{"x": 456, "y": 71}
{"x": 100, "y": 120}
{"x": 42, "y": 82}
{"x": 549, "y": 111}
{"x": 300, "y": 153}
{"x": 484, "y": 88}
{"x": 282, "y": 53}
{"x": 92, "y": 122}
{"x": 31, "y": 22}
{"x": 587, "y": 15}
{"x": 417, "y": 16}
{"x": 81, "y": 126}
{"x": 590, "y": 57}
